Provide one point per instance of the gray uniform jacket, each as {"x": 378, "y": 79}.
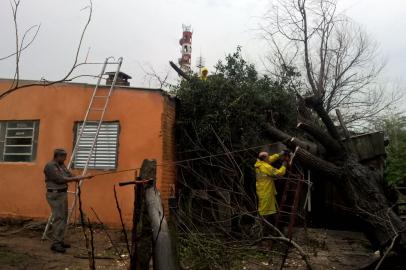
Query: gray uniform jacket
{"x": 54, "y": 175}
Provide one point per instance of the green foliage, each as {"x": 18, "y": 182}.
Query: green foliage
{"x": 395, "y": 128}
{"x": 236, "y": 102}
{"x": 230, "y": 110}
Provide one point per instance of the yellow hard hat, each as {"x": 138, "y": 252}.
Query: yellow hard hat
{"x": 205, "y": 69}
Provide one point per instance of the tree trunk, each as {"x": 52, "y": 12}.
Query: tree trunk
{"x": 366, "y": 194}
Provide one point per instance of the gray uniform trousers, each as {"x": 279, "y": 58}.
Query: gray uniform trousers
{"x": 59, "y": 207}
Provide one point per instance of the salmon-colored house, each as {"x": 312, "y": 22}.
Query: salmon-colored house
{"x": 138, "y": 124}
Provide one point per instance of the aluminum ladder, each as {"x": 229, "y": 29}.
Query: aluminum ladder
{"x": 97, "y": 111}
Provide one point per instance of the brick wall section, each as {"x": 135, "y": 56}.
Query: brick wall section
{"x": 168, "y": 180}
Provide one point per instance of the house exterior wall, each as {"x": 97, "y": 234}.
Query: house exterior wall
{"x": 144, "y": 129}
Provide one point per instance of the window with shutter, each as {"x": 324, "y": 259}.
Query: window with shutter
{"x": 105, "y": 152}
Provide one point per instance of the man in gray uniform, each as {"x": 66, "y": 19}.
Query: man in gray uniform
{"x": 57, "y": 177}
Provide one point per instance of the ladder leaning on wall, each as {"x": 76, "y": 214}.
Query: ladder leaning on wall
{"x": 95, "y": 110}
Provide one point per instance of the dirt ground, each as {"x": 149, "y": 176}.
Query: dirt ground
{"x": 327, "y": 249}
{"x": 21, "y": 247}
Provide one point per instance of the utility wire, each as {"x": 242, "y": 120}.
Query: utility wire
{"x": 215, "y": 155}
{"x": 187, "y": 160}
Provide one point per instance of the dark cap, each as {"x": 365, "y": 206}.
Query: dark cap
{"x": 59, "y": 152}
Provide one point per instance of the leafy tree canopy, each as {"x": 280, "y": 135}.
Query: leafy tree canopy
{"x": 234, "y": 104}
{"x": 230, "y": 109}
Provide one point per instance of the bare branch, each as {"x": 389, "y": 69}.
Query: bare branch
{"x": 338, "y": 60}
{"x": 25, "y": 46}
{"x": 19, "y": 48}
{"x": 153, "y": 76}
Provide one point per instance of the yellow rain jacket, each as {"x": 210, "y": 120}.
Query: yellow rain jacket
{"x": 204, "y": 73}
{"x": 266, "y": 190}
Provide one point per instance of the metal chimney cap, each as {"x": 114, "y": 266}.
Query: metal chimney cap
{"x": 122, "y": 78}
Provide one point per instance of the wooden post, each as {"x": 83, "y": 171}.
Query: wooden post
{"x": 149, "y": 215}
{"x": 138, "y": 195}
{"x": 141, "y": 244}
{"x": 162, "y": 247}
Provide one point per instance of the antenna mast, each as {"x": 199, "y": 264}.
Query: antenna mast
{"x": 186, "y": 50}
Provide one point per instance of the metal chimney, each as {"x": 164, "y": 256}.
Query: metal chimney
{"x": 122, "y": 78}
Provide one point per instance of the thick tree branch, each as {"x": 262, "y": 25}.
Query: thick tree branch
{"x": 180, "y": 72}
{"x": 287, "y": 139}
{"x": 315, "y": 103}
{"x": 331, "y": 145}
{"x": 315, "y": 163}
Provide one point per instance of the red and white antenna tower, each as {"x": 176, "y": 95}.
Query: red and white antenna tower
{"x": 186, "y": 43}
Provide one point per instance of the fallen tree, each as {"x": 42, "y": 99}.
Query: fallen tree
{"x": 360, "y": 184}
{"x": 339, "y": 66}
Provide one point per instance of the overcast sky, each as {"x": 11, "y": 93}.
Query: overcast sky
{"x": 146, "y": 33}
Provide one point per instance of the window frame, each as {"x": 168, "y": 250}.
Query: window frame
{"x": 6, "y": 127}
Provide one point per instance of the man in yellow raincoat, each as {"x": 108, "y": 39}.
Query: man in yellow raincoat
{"x": 204, "y": 73}
{"x": 265, "y": 174}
